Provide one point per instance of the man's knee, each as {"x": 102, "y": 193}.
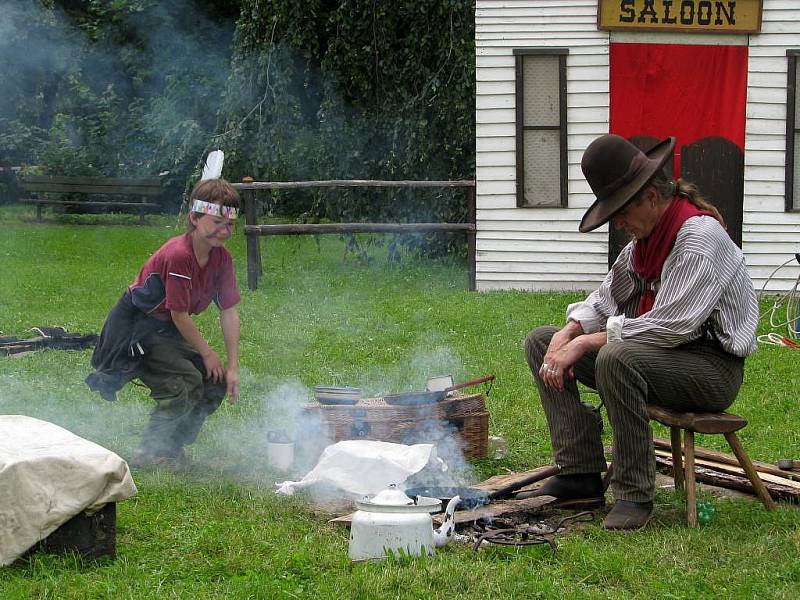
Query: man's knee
{"x": 618, "y": 362}
{"x": 616, "y": 357}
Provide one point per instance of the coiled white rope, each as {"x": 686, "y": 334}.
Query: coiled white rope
{"x": 790, "y": 300}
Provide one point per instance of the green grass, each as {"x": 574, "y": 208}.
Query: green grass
{"x": 320, "y": 316}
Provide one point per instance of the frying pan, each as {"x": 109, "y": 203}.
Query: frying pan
{"x": 418, "y": 398}
{"x": 470, "y": 497}
{"x": 473, "y": 498}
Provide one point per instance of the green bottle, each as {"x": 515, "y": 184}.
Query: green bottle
{"x": 705, "y": 512}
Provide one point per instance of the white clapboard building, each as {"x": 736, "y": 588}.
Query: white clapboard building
{"x": 552, "y": 75}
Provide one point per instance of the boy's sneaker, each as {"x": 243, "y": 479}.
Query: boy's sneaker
{"x": 142, "y": 459}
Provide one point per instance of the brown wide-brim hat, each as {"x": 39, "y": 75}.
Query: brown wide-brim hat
{"x": 616, "y": 171}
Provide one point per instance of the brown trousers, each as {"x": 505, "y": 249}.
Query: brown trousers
{"x": 698, "y": 376}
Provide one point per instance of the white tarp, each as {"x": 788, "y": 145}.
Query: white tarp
{"x": 47, "y": 476}
{"x": 363, "y": 467}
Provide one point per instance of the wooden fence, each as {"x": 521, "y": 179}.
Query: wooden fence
{"x": 253, "y": 230}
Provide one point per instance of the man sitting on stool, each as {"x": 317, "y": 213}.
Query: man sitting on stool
{"x": 670, "y": 325}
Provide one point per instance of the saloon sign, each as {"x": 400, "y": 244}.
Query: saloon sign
{"x": 699, "y": 16}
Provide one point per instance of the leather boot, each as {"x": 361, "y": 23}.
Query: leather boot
{"x": 575, "y": 488}
{"x": 628, "y": 515}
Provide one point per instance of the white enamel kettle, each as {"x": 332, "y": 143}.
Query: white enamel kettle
{"x": 393, "y": 523}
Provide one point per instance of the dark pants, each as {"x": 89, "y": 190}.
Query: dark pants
{"x": 698, "y": 376}
{"x": 174, "y": 372}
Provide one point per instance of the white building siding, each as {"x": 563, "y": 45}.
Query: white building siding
{"x": 540, "y": 248}
{"x": 770, "y": 235}
{"x": 528, "y": 248}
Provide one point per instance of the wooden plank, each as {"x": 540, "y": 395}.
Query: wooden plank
{"x": 737, "y": 470}
{"x": 501, "y": 509}
{"x": 135, "y": 181}
{"x": 471, "y": 241}
{"x": 733, "y": 482}
{"x": 339, "y": 228}
{"x": 73, "y": 188}
{"x": 514, "y": 481}
{"x": 88, "y": 203}
{"x": 282, "y": 185}
{"x": 729, "y": 459}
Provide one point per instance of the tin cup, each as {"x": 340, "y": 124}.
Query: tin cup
{"x": 280, "y": 450}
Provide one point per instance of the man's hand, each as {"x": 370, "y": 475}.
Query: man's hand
{"x": 561, "y": 338}
{"x": 560, "y": 365}
{"x": 559, "y": 341}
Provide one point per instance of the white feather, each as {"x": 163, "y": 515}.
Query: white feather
{"x": 213, "y": 167}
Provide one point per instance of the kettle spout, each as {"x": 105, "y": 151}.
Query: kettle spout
{"x": 444, "y": 534}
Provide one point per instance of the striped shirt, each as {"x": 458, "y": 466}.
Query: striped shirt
{"x": 704, "y": 282}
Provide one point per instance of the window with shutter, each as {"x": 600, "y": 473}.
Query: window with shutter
{"x": 541, "y": 96}
{"x": 792, "y": 131}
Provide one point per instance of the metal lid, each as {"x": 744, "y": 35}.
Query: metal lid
{"x": 391, "y": 496}
{"x": 393, "y": 499}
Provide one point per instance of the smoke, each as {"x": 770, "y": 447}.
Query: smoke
{"x": 65, "y": 400}
{"x": 115, "y": 89}
{"x": 234, "y": 442}
{"x": 238, "y": 443}
{"x": 288, "y": 407}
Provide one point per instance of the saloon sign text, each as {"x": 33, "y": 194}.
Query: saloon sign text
{"x": 714, "y": 16}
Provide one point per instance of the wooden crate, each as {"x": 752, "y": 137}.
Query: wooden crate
{"x": 91, "y": 537}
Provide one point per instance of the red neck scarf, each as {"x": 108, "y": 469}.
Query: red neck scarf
{"x": 650, "y": 253}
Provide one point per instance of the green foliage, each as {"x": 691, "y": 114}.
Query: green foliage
{"x": 123, "y": 88}
{"x": 318, "y": 89}
{"x": 353, "y": 90}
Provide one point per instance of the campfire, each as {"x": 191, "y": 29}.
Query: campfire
{"x": 505, "y": 532}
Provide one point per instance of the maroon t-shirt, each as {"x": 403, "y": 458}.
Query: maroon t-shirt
{"x": 172, "y": 279}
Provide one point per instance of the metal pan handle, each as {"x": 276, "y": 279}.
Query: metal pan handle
{"x": 469, "y": 383}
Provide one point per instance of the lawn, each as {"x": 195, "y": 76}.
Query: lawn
{"x": 323, "y": 317}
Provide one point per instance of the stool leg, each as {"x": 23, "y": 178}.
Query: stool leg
{"x": 677, "y": 460}
{"x": 691, "y": 491}
{"x": 750, "y": 471}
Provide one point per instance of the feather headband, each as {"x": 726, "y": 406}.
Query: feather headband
{"x": 215, "y": 210}
{"x": 212, "y": 168}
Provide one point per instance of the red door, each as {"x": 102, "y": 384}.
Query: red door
{"x": 696, "y": 93}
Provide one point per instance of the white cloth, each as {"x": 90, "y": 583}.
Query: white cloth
{"x": 47, "y": 476}
{"x": 360, "y": 468}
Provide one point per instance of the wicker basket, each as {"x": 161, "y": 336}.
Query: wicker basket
{"x": 474, "y": 432}
{"x": 462, "y": 419}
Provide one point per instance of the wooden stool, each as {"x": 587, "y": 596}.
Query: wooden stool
{"x": 709, "y": 423}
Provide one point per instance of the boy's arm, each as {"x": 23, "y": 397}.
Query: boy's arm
{"x": 229, "y": 320}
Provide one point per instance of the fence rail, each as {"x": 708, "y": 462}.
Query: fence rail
{"x": 253, "y": 230}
